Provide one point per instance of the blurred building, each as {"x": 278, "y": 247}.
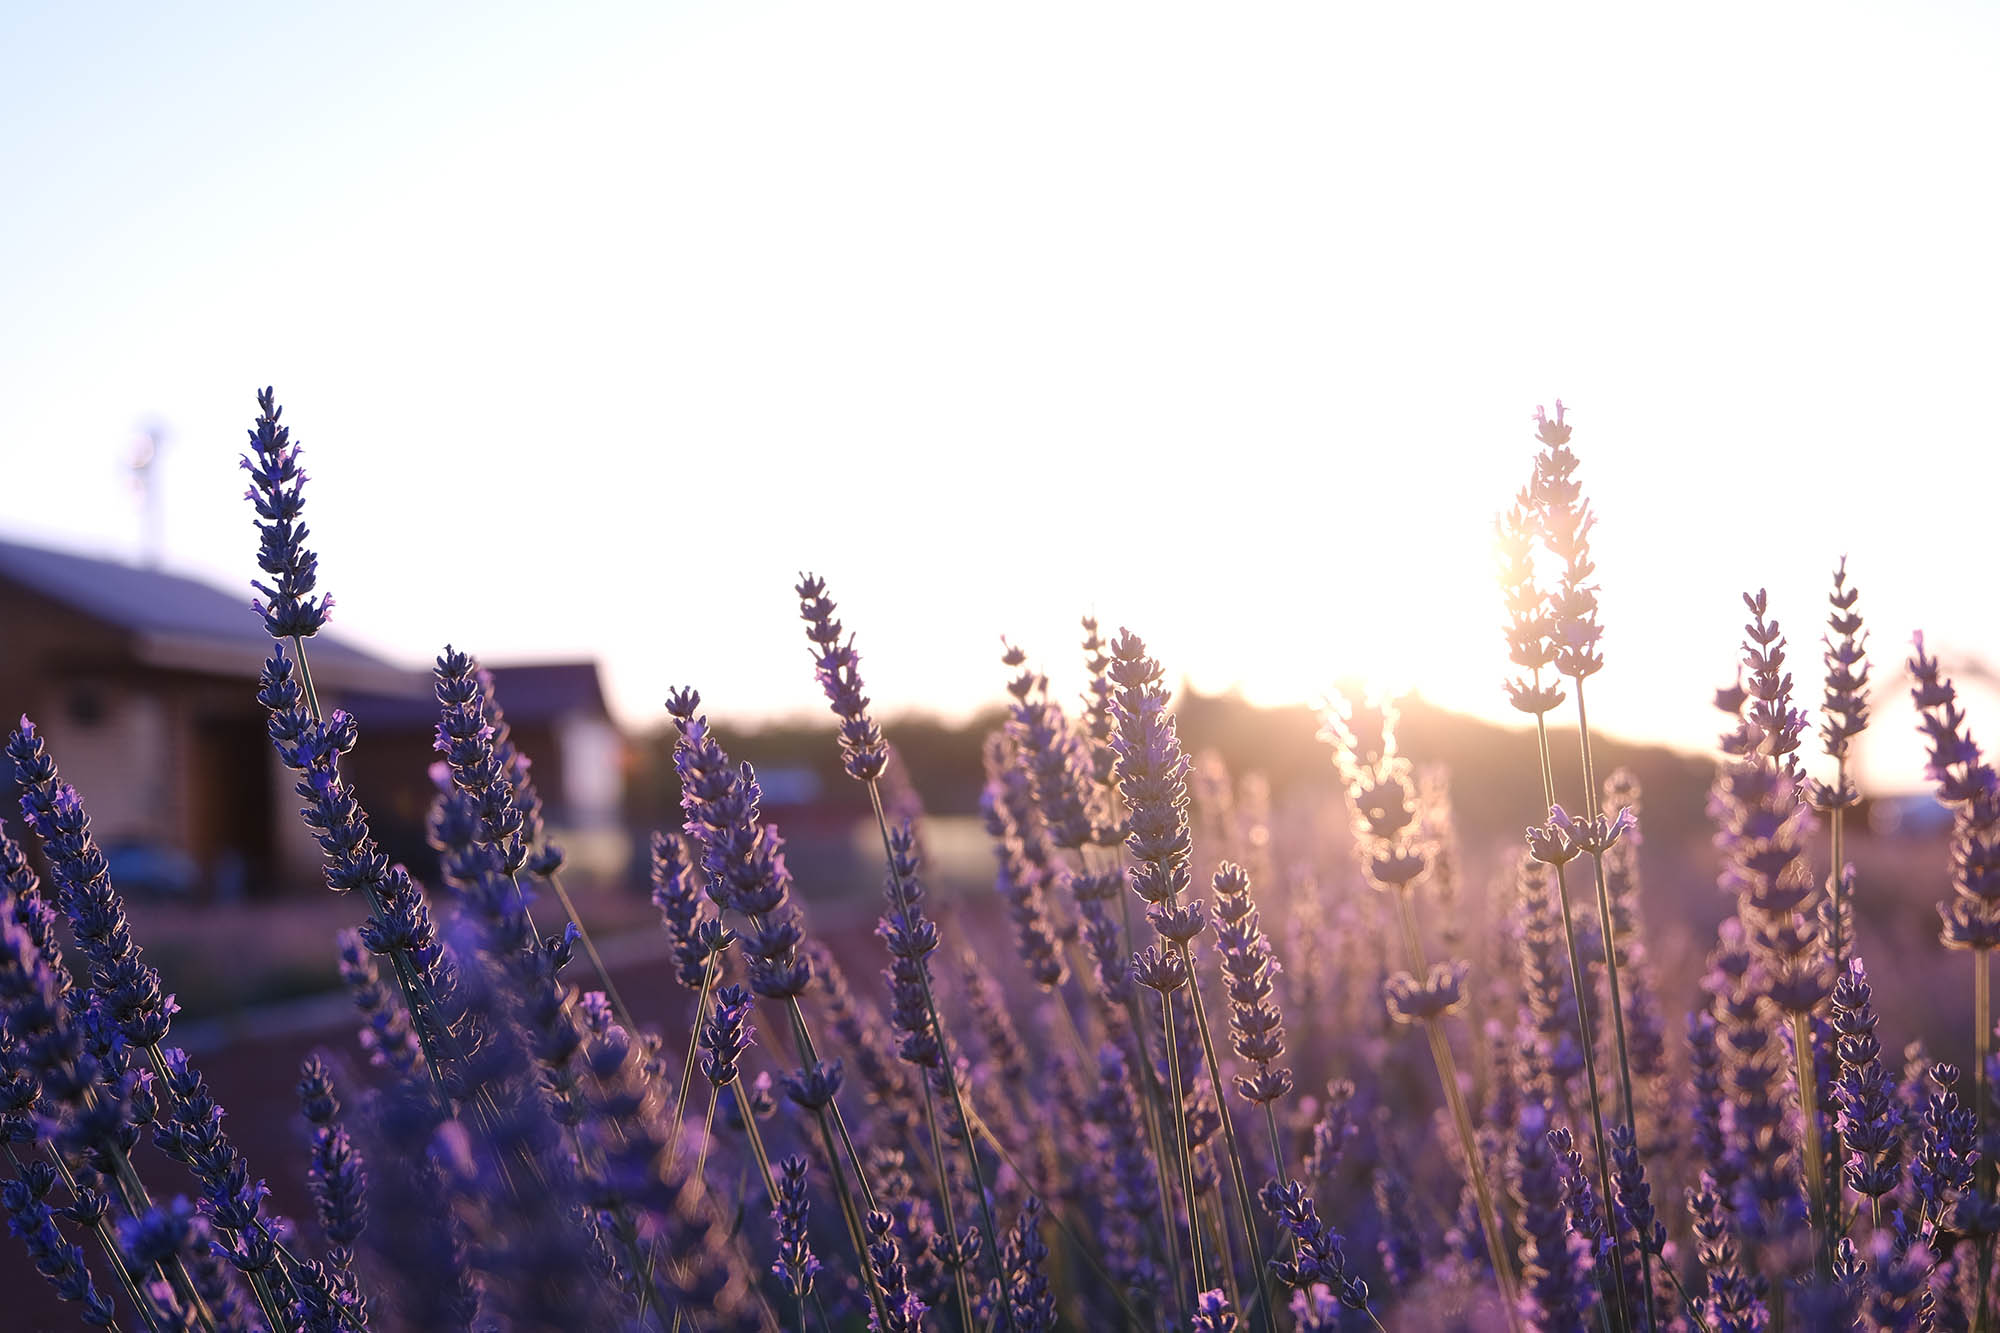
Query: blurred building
{"x": 144, "y": 684}
{"x": 556, "y": 716}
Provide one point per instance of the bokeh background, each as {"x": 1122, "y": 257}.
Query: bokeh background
{"x": 1226, "y": 324}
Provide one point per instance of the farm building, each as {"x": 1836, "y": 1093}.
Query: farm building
{"x": 144, "y": 683}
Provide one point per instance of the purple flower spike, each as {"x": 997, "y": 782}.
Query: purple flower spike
{"x": 128, "y": 986}
{"x": 1029, "y": 1297}
{"x": 796, "y": 1263}
{"x": 277, "y": 486}
{"x": 1212, "y": 1313}
{"x": 1152, "y": 774}
{"x": 726, "y": 1035}
{"x": 1967, "y": 783}
{"x": 31, "y": 1218}
{"x": 1256, "y": 1028}
{"x": 863, "y": 752}
{"x": 1564, "y": 520}
{"x": 1555, "y": 1261}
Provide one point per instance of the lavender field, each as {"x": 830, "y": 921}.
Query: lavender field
{"x": 1197, "y": 1054}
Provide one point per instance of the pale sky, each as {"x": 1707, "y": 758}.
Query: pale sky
{"x": 598, "y": 323}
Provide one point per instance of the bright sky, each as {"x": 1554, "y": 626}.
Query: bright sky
{"x": 599, "y": 323}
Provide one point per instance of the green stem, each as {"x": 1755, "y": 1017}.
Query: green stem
{"x": 688, "y": 1063}
{"x": 1586, "y": 1036}
{"x": 852, "y": 1216}
{"x": 140, "y": 1305}
{"x": 178, "y": 1274}
{"x": 803, "y": 1036}
{"x": 1152, "y": 1102}
{"x": 1236, "y": 1172}
{"x": 1816, "y": 1191}
{"x": 554, "y": 882}
{"x": 1186, "y": 1150}
{"x": 944, "y": 1200}
{"x": 763, "y": 1157}
{"x": 701, "y": 1151}
{"x": 1982, "y": 1017}
{"x": 951, "y": 1084}
{"x": 1468, "y": 1138}
{"x": 985, "y": 1131}
{"x": 1591, "y": 808}
{"x": 1837, "y": 928}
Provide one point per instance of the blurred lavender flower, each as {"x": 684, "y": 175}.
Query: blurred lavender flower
{"x": 1332, "y": 1133}
{"x": 1550, "y": 1052}
{"x": 696, "y": 937}
{"x": 1023, "y": 873}
{"x": 1052, "y": 755}
{"x": 1400, "y": 1247}
{"x": 1531, "y": 625}
{"x": 1565, "y": 520}
{"x": 1382, "y": 792}
{"x": 1025, "y": 1258}
{"x": 1439, "y": 992}
{"x": 1844, "y": 714}
{"x": 385, "y": 1033}
{"x": 871, "y": 1048}
{"x": 192, "y": 1134}
{"x": 1555, "y": 1262}
{"x": 157, "y": 1238}
{"x": 1212, "y": 1313}
{"x": 1965, "y": 782}
{"x": 1098, "y": 723}
{"x": 336, "y": 1177}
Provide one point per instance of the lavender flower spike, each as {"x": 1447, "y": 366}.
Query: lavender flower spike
{"x": 1256, "y": 1027}
{"x": 864, "y": 754}
{"x": 1034, "y": 1305}
{"x": 336, "y": 1175}
{"x": 1212, "y": 1313}
{"x": 796, "y": 1263}
{"x": 30, "y": 1218}
{"x": 726, "y": 1035}
{"x": 129, "y": 986}
{"x": 277, "y": 486}
{"x": 696, "y": 936}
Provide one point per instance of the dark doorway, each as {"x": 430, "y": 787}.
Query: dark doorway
{"x": 231, "y": 807}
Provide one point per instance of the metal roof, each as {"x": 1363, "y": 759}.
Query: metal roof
{"x": 184, "y": 624}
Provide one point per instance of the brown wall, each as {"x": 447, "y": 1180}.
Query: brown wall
{"x": 108, "y": 731}
{"x": 168, "y": 759}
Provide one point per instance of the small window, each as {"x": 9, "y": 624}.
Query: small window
{"x": 86, "y": 706}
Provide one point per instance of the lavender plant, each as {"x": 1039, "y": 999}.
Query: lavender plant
{"x": 517, "y": 1152}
